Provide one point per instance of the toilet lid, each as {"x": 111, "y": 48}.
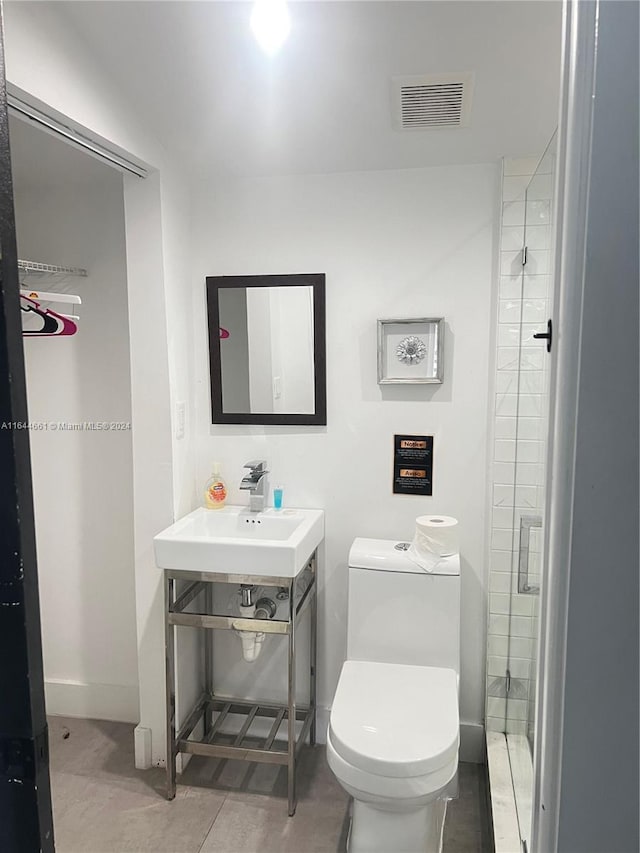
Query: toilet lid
{"x": 394, "y": 719}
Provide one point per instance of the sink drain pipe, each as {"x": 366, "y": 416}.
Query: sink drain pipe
{"x": 264, "y": 608}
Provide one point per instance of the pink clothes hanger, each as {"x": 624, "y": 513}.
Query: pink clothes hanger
{"x": 53, "y": 324}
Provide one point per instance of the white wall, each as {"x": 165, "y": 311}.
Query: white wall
{"x": 83, "y": 482}
{"x": 400, "y": 243}
{"x": 48, "y": 62}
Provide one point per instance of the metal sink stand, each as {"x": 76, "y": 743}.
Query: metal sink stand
{"x": 200, "y": 583}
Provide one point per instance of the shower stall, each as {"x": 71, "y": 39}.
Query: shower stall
{"x": 521, "y": 427}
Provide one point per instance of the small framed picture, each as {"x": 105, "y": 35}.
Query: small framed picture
{"x": 410, "y": 351}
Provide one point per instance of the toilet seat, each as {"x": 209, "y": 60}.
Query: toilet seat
{"x": 396, "y": 720}
{"x": 396, "y": 792}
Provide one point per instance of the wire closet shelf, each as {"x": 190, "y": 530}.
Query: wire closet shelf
{"x": 36, "y": 268}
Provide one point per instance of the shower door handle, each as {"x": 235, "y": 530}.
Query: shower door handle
{"x": 546, "y": 336}
{"x": 526, "y": 523}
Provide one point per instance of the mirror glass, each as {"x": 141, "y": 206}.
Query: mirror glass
{"x": 266, "y": 339}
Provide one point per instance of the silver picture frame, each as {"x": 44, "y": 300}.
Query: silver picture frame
{"x": 411, "y": 351}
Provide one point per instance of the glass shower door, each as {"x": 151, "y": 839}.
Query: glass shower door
{"x": 530, "y": 451}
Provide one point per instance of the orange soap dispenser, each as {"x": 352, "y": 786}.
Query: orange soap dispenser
{"x": 215, "y": 492}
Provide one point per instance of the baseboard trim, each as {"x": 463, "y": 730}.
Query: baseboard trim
{"x": 142, "y": 747}
{"x": 116, "y": 702}
{"x": 472, "y": 743}
{"x": 322, "y": 724}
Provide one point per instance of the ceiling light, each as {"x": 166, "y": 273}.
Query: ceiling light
{"x": 271, "y": 24}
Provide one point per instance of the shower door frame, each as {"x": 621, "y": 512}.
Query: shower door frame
{"x": 523, "y": 370}
{"x": 533, "y": 386}
{"x": 598, "y": 209}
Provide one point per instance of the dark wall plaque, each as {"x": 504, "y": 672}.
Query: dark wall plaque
{"x": 412, "y": 464}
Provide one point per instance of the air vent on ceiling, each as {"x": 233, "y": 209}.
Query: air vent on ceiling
{"x": 432, "y": 101}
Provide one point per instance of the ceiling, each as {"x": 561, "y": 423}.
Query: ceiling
{"x": 197, "y": 78}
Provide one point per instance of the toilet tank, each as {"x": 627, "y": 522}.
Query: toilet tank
{"x": 399, "y": 613}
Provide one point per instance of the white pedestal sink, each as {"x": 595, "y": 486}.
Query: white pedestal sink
{"x": 233, "y": 540}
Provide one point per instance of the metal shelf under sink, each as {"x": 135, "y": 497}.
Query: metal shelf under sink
{"x": 302, "y": 593}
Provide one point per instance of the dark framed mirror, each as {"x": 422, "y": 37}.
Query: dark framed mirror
{"x": 267, "y": 350}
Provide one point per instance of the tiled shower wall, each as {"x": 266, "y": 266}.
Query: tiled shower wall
{"x": 523, "y": 308}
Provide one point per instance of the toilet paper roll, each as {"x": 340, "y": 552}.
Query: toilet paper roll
{"x": 438, "y": 534}
{"x": 436, "y": 538}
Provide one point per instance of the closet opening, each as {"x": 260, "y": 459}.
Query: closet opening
{"x": 70, "y": 218}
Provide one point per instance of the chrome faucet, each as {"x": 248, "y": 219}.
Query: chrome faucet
{"x": 257, "y": 482}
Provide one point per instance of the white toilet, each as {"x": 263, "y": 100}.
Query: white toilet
{"x": 394, "y": 728}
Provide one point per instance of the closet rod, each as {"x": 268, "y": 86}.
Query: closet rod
{"x": 50, "y": 269}
{"x": 23, "y": 110}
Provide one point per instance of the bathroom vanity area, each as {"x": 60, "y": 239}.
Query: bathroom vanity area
{"x": 273, "y": 550}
